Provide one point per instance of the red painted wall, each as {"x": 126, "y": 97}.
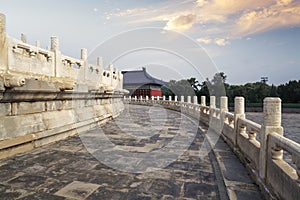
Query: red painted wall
{"x": 155, "y": 93}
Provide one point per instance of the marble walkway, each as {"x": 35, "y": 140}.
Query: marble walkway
{"x": 145, "y": 153}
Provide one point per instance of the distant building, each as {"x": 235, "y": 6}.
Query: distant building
{"x": 140, "y": 83}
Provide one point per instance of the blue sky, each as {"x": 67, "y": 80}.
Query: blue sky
{"x": 245, "y": 39}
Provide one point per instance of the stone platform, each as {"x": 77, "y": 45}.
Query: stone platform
{"x": 67, "y": 170}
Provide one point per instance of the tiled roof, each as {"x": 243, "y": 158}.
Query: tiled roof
{"x": 140, "y": 77}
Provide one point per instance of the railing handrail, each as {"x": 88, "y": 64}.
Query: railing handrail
{"x": 20, "y": 61}
{"x": 241, "y": 134}
{"x": 251, "y": 125}
{"x": 287, "y": 144}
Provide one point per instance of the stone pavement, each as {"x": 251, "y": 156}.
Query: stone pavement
{"x": 71, "y": 169}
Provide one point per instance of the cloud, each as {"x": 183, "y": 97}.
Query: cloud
{"x": 282, "y": 14}
{"x": 201, "y": 3}
{"x": 215, "y": 18}
{"x": 205, "y": 40}
{"x": 227, "y": 7}
{"x": 221, "y": 41}
{"x": 181, "y": 22}
{"x": 284, "y": 2}
{"x": 217, "y": 41}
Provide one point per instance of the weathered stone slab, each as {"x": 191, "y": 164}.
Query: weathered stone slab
{"x": 54, "y": 105}
{"x": 16, "y": 150}
{"x": 77, "y": 190}
{"x": 100, "y": 110}
{"x": 67, "y": 104}
{"x": 84, "y": 113}
{"x": 16, "y": 141}
{"x": 55, "y": 138}
{"x": 14, "y": 126}
{"x": 81, "y": 88}
{"x": 56, "y": 119}
{"x": 22, "y": 108}
{"x": 38, "y": 85}
{"x": 5, "y": 109}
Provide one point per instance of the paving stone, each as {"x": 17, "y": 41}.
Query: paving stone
{"x": 192, "y": 190}
{"x": 27, "y": 181}
{"x": 39, "y": 196}
{"x": 165, "y": 187}
{"x": 66, "y": 169}
{"x": 77, "y": 190}
{"x": 9, "y": 195}
{"x": 103, "y": 193}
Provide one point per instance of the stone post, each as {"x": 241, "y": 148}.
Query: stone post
{"x": 182, "y": 98}
{"x": 189, "y": 99}
{"x": 157, "y": 98}
{"x": 141, "y": 98}
{"x": 57, "y": 56}
{"x": 170, "y": 98}
{"x": 100, "y": 77}
{"x": 23, "y": 38}
{"x": 2, "y": 26}
{"x": 100, "y": 63}
{"x": 212, "y": 104}
{"x": 195, "y": 100}
{"x": 224, "y": 104}
{"x": 152, "y": 98}
{"x": 176, "y": 98}
{"x": 84, "y": 54}
{"x": 271, "y": 124}
{"x": 120, "y": 79}
{"x": 135, "y": 98}
{"x": 212, "y": 101}
{"x": 38, "y": 44}
{"x": 54, "y": 44}
{"x": 3, "y": 45}
{"x": 203, "y": 100}
{"x": 147, "y": 98}
{"x": 223, "y": 109}
{"x": 83, "y": 74}
{"x": 111, "y": 70}
{"x": 239, "y": 112}
{"x": 110, "y": 67}
{"x": 164, "y": 98}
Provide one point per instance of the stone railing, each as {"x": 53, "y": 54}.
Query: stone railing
{"x": 20, "y": 61}
{"x": 46, "y": 96}
{"x": 260, "y": 147}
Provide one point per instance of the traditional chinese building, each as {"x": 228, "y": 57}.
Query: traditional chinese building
{"x": 140, "y": 83}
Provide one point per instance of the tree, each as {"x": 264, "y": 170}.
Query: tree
{"x": 290, "y": 92}
{"x": 217, "y": 86}
{"x": 194, "y": 83}
{"x": 179, "y": 88}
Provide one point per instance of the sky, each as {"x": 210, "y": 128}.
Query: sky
{"x": 246, "y": 39}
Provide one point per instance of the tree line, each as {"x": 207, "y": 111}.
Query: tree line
{"x": 217, "y": 86}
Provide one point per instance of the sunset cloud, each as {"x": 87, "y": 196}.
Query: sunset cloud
{"x": 181, "y": 22}
{"x": 201, "y": 3}
{"x": 227, "y": 7}
{"x": 205, "y": 40}
{"x": 282, "y": 14}
{"x": 229, "y": 19}
{"x": 221, "y": 42}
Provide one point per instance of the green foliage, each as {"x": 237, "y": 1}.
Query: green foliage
{"x": 254, "y": 93}
{"x": 180, "y": 88}
{"x": 290, "y": 92}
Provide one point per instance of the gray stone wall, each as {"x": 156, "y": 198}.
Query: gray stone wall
{"x": 28, "y": 120}
{"x": 47, "y": 96}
